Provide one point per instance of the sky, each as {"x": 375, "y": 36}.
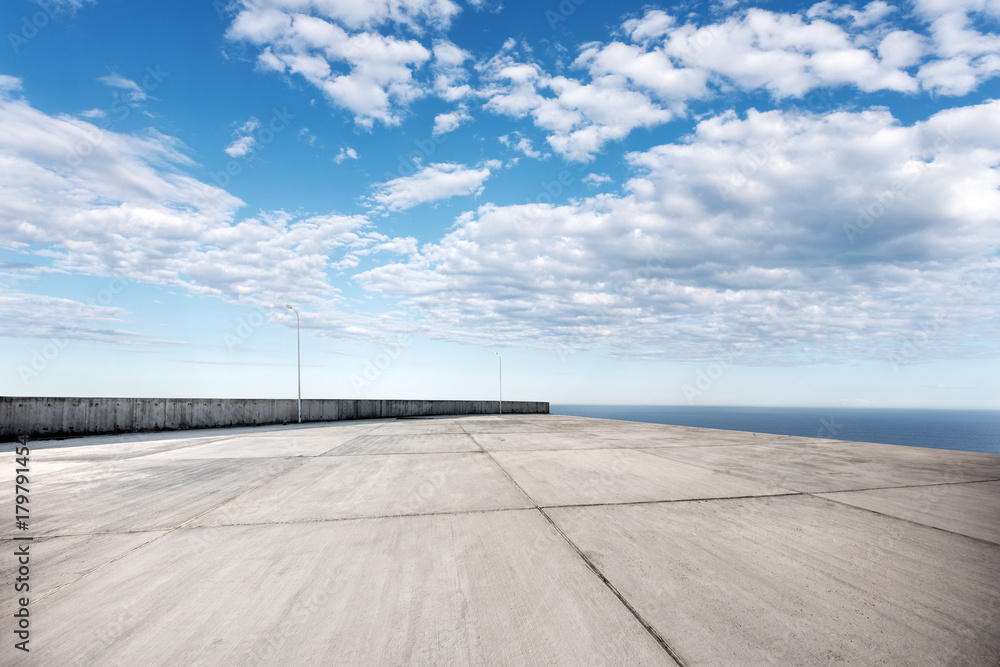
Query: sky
{"x": 704, "y": 203}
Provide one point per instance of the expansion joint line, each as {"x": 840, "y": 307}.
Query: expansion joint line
{"x": 163, "y": 532}
{"x": 593, "y": 568}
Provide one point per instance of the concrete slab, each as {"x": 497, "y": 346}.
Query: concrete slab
{"x": 419, "y": 426}
{"x": 286, "y": 554}
{"x": 618, "y": 476}
{"x": 501, "y": 426}
{"x": 796, "y": 580}
{"x": 133, "y": 445}
{"x": 651, "y": 439}
{"x": 840, "y": 466}
{"x": 486, "y": 589}
{"x": 65, "y": 560}
{"x": 500, "y": 442}
{"x": 418, "y": 443}
{"x": 341, "y": 487}
{"x": 96, "y": 448}
{"x": 970, "y": 509}
{"x": 250, "y": 447}
{"x": 135, "y": 495}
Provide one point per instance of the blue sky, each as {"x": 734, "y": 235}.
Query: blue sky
{"x": 721, "y": 203}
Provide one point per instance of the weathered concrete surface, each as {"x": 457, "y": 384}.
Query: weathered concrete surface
{"x": 839, "y": 466}
{"x": 522, "y": 539}
{"x": 417, "y": 443}
{"x": 969, "y": 509}
{"x": 62, "y": 416}
{"x": 796, "y": 580}
{"x": 601, "y": 476}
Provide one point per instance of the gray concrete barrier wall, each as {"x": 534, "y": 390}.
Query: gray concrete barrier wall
{"x": 57, "y": 417}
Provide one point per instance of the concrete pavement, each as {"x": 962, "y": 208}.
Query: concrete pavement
{"x": 485, "y": 540}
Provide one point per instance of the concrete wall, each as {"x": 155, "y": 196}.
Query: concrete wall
{"x": 52, "y": 417}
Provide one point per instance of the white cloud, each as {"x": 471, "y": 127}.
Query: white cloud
{"x": 844, "y": 233}
{"x": 651, "y": 70}
{"x": 447, "y": 122}
{"x": 66, "y": 5}
{"x": 596, "y": 179}
{"x": 307, "y": 136}
{"x": 433, "y": 183}
{"x": 650, "y": 81}
{"x": 346, "y": 153}
{"x": 655, "y": 23}
{"x": 873, "y": 12}
{"x": 449, "y": 71}
{"x": 522, "y": 144}
{"x": 783, "y": 54}
{"x": 580, "y": 117}
{"x": 94, "y": 202}
{"x": 39, "y": 316}
{"x": 965, "y": 56}
{"x": 134, "y": 91}
{"x": 9, "y": 83}
{"x": 320, "y": 40}
{"x": 244, "y": 140}
{"x": 901, "y": 48}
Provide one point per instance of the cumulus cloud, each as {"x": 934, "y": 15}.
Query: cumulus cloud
{"x": 873, "y": 12}
{"x": 843, "y": 233}
{"x": 447, "y": 122}
{"x": 338, "y": 48}
{"x": 448, "y": 70}
{"x": 244, "y": 140}
{"x": 596, "y": 179}
{"x": 650, "y": 78}
{"x": 965, "y": 57}
{"x": 580, "y": 117}
{"x": 521, "y": 144}
{"x": 431, "y": 183}
{"x": 96, "y": 202}
{"x": 345, "y": 153}
{"x": 9, "y": 83}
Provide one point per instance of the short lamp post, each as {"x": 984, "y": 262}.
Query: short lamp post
{"x": 298, "y": 353}
{"x": 501, "y": 381}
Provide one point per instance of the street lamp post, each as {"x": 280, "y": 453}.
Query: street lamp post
{"x": 501, "y": 381}
{"x": 298, "y": 354}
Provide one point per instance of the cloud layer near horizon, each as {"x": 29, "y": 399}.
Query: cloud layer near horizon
{"x": 787, "y": 235}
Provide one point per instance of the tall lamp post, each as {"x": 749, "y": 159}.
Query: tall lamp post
{"x": 501, "y": 381}
{"x": 298, "y": 353}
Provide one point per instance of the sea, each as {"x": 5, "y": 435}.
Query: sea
{"x": 966, "y": 430}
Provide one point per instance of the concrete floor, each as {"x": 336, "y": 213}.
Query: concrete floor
{"x": 514, "y": 540}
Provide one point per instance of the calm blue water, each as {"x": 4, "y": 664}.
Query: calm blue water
{"x": 969, "y": 430}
